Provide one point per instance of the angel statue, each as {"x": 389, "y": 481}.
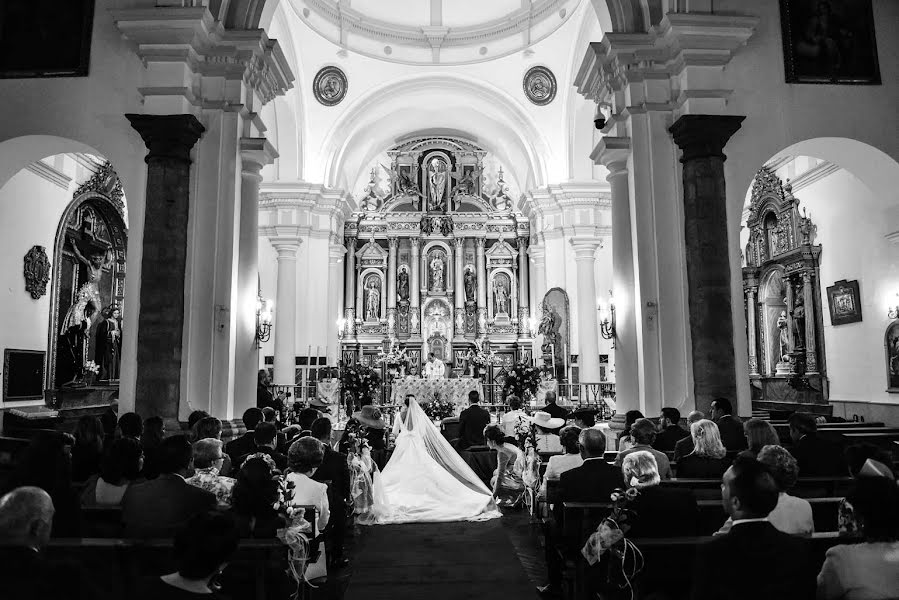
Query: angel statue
{"x": 466, "y": 187}
{"x": 436, "y": 184}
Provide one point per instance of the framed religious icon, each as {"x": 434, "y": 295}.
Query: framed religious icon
{"x": 829, "y": 41}
{"x": 45, "y": 39}
{"x": 844, "y": 303}
{"x": 891, "y": 352}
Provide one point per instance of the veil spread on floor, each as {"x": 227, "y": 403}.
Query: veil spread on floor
{"x": 426, "y": 480}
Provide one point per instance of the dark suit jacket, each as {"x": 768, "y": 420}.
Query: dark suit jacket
{"x": 683, "y": 448}
{"x": 668, "y": 437}
{"x": 663, "y": 512}
{"x": 818, "y": 457}
{"x": 593, "y": 481}
{"x": 472, "y": 422}
{"x": 555, "y": 411}
{"x": 161, "y": 506}
{"x": 240, "y": 446}
{"x": 28, "y": 575}
{"x": 334, "y": 469}
{"x": 693, "y": 466}
{"x": 732, "y": 436}
{"x": 753, "y": 561}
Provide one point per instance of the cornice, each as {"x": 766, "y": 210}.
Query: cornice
{"x": 45, "y": 171}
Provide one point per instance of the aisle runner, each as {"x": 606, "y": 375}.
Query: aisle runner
{"x": 437, "y": 561}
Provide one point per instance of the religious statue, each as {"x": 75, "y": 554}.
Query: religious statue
{"x": 466, "y": 187}
{"x": 436, "y": 273}
{"x": 436, "y": 185}
{"x": 798, "y": 314}
{"x": 470, "y": 284}
{"x": 784, "y": 339}
{"x": 372, "y": 300}
{"x": 500, "y": 296}
{"x": 109, "y": 344}
{"x": 549, "y": 328}
{"x": 403, "y": 284}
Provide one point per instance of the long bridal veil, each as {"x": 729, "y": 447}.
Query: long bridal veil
{"x": 426, "y": 480}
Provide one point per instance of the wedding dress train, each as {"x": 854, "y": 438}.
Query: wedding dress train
{"x": 425, "y": 480}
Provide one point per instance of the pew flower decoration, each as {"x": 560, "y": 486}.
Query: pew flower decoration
{"x": 295, "y": 535}
{"x": 610, "y": 538}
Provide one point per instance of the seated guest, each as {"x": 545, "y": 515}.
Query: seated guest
{"x": 131, "y": 425}
{"x": 791, "y": 515}
{"x": 202, "y": 549}
{"x": 554, "y": 410}
{"x": 513, "y": 418}
{"x": 270, "y": 415}
{"x": 210, "y": 427}
{"x": 730, "y": 426}
{"x": 685, "y": 446}
{"x": 560, "y": 463}
{"x": 304, "y": 457}
{"x": 759, "y": 433}
{"x": 709, "y": 457}
{"x": 193, "y": 418}
{"x": 659, "y": 511}
{"x": 625, "y": 440}
{"x": 583, "y": 418}
{"x": 121, "y": 467}
{"x": 244, "y": 444}
{"x": 593, "y": 481}
{"x": 109, "y": 419}
{"x": 87, "y": 449}
{"x": 26, "y": 517}
{"x": 643, "y": 433}
{"x": 334, "y": 469}
{"x": 208, "y": 460}
{"x": 869, "y": 569}
{"x": 817, "y": 457}
{"x": 161, "y": 506}
{"x": 154, "y": 433}
{"x": 548, "y": 428}
{"x": 670, "y": 431}
{"x": 472, "y": 421}
{"x": 754, "y": 560}
{"x": 306, "y": 418}
{"x": 857, "y": 457}
{"x": 265, "y": 436}
{"x": 507, "y": 483}
{"x": 253, "y": 498}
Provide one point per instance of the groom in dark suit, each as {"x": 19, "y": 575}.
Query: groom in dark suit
{"x": 472, "y": 422}
{"x": 336, "y": 472}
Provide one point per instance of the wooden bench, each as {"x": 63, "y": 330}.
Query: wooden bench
{"x": 806, "y": 487}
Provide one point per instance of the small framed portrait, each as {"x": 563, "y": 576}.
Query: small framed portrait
{"x": 844, "y": 303}
{"x": 829, "y": 41}
{"x": 45, "y": 39}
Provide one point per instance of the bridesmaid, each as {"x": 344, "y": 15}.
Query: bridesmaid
{"x": 507, "y": 483}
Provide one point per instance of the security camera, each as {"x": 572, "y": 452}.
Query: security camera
{"x": 599, "y": 121}
{"x": 603, "y": 110}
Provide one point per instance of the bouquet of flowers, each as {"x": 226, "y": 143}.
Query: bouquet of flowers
{"x": 526, "y": 434}
{"x": 91, "y": 367}
{"x": 393, "y": 358}
{"x": 296, "y": 534}
{"x": 610, "y": 538}
{"x": 522, "y": 378}
{"x": 481, "y": 357}
{"x": 360, "y": 381}
{"x": 439, "y": 408}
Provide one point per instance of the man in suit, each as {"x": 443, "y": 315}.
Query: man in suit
{"x": 159, "y": 507}
{"x": 816, "y": 456}
{"x": 754, "y": 560}
{"x": 670, "y": 431}
{"x": 593, "y": 481}
{"x": 334, "y": 469}
{"x": 730, "y": 427}
{"x": 472, "y": 422}
{"x": 685, "y": 446}
{"x": 554, "y": 410}
{"x": 265, "y": 436}
{"x": 244, "y": 444}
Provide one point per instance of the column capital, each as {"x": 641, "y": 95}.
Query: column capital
{"x": 167, "y": 136}
{"x": 537, "y": 252}
{"x": 458, "y": 242}
{"x": 393, "y": 242}
{"x": 416, "y": 243}
{"x": 481, "y": 243}
{"x": 286, "y": 248}
{"x": 704, "y": 136}
{"x": 612, "y": 153}
{"x": 523, "y": 244}
{"x": 585, "y": 248}
{"x": 255, "y": 153}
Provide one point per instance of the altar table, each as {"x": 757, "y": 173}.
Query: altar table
{"x": 454, "y": 390}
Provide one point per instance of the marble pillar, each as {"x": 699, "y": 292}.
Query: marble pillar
{"x": 588, "y": 350}
{"x": 285, "y": 317}
{"x": 701, "y": 139}
{"x": 459, "y": 330}
{"x": 537, "y": 252}
{"x": 160, "y": 322}
{"x": 392, "y": 244}
{"x": 751, "y": 330}
{"x": 336, "y": 252}
{"x": 808, "y": 302}
{"x": 414, "y": 291}
{"x": 349, "y": 288}
{"x": 524, "y": 288}
{"x": 481, "y": 256}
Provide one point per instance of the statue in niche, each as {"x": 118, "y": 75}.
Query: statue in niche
{"x": 798, "y": 314}
{"x": 436, "y": 267}
{"x": 436, "y": 321}
{"x": 437, "y": 185}
{"x": 372, "y": 299}
{"x": 109, "y": 343}
{"x": 465, "y": 187}
{"x": 471, "y": 284}
{"x": 550, "y": 323}
{"x": 500, "y": 295}
{"x": 784, "y": 340}
{"x": 402, "y": 286}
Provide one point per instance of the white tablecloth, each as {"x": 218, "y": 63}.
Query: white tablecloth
{"x": 455, "y": 390}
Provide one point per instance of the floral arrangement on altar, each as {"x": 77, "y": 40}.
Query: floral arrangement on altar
{"x": 609, "y": 538}
{"x": 439, "y": 408}
{"x": 522, "y": 380}
{"x": 481, "y": 357}
{"x": 394, "y": 357}
{"x": 360, "y": 381}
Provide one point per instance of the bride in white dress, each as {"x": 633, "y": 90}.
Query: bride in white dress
{"x": 426, "y": 481}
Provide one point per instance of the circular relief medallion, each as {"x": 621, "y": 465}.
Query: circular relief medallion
{"x": 329, "y": 86}
{"x": 539, "y": 85}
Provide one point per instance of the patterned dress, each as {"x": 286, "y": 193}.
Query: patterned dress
{"x": 209, "y": 479}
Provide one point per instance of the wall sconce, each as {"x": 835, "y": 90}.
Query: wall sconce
{"x": 607, "y": 318}
{"x": 893, "y": 311}
{"x": 264, "y": 309}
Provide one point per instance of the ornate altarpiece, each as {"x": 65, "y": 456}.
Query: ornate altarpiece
{"x": 449, "y": 253}
{"x": 783, "y": 300}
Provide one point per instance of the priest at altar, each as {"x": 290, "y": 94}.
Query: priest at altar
{"x": 434, "y": 368}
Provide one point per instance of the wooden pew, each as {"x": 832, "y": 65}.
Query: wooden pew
{"x": 806, "y": 487}
{"x": 881, "y": 439}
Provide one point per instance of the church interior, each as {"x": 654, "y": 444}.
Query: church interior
{"x": 606, "y": 215}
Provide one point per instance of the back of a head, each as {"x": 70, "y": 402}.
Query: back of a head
{"x": 195, "y": 417}
{"x": 695, "y": 415}
{"x": 494, "y": 433}
{"x": 514, "y": 402}
{"x": 26, "y": 515}
{"x": 630, "y": 417}
{"x": 154, "y": 431}
{"x": 205, "y": 544}
{"x": 174, "y": 454}
{"x": 672, "y": 414}
{"x": 640, "y": 469}
{"x": 269, "y": 414}
{"x": 568, "y": 437}
{"x": 643, "y": 431}
{"x": 122, "y": 461}
{"x": 206, "y": 452}
{"x": 321, "y": 429}
{"x": 252, "y": 417}
{"x": 550, "y": 397}
{"x": 305, "y": 454}
{"x": 207, "y": 427}
{"x": 255, "y": 488}
{"x": 109, "y": 421}
{"x": 752, "y": 483}
{"x": 307, "y": 417}
{"x": 265, "y": 434}
{"x": 131, "y": 425}
{"x": 723, "y": 405}
{"x": 707, "y": 439}
{"x": 875, "y": 503}
{"x": 781, "y": 464}
{"x": 593, "y": 443}
{"x": 760, "y": 433}
{"x": 473, "y": 397}
{"x": 89, "y": 432}
{"x": 803, "y": 423}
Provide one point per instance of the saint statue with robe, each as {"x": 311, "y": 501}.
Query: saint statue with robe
{"x": 500, "y": 296}
{"x": 470, "y": 285}
{"x": 436, "y": 185}
{"x": 437, "y": 273}
{"x": 372, "y": 300}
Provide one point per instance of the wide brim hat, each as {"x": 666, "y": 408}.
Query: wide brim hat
{"x": 370, "y": 417}
{"x": 546, "y": 420}
{"x": 582, "y": 412}
{"x": 319, "y": 404}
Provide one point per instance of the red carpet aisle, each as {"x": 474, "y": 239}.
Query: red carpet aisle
{"x": 451, "y": 561}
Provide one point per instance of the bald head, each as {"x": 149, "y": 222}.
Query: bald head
{"x": 695, "y": 415}
{"x": 26, "y": 515}
{"x": 593, "y": 443}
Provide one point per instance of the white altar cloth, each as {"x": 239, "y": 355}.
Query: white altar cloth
{"x": 454, "y": 390}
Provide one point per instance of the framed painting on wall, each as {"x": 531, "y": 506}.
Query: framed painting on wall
{"x": 891, "y": 351}
{"x": 45, "y": 39}
{"x": 23, "y": 375}
{"x": 829, "y": 41}
{"x": 844, "y": 303}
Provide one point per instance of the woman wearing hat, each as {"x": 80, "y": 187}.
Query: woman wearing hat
{"x": 375, "y": 432}
{"x": 547, "y": 431}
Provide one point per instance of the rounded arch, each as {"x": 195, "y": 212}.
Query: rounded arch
{"x": 17, "y": 153}
{"x": 629, "y": 16}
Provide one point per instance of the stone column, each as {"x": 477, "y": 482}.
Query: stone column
{"x": 588, "y": 352}
{"x": 750, "y": 328}
{"x": 285, "y": 326}
{"x": 537, "y": 253}
{"x": 255, "y": 153}
{"x": 335, "y": 292}
{"x": 482, "y": 285}
{"x": 702, "y": 138}
{"x": 415, "y": 268}
{"x": 459, "y": 329}
{"x": 524, "y": 287}
{"x": 392, "y": 243}
{"x": 808, "y": 300}
{"x": 349, "y": 288}
{"x": 160, "y": 322}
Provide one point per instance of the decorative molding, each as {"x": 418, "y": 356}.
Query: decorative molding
{"x": 105, "y": 182}
{"x": 539, "y": 85}
{"x": 37, "y": 271}
{"x": 45, "y": 171}
{"x": 813, "y": 175}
